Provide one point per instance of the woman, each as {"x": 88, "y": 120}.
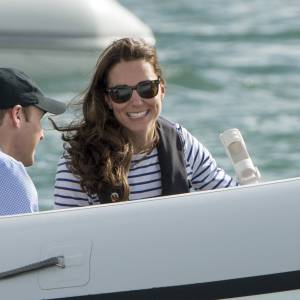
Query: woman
{"x": 122, "y": 149}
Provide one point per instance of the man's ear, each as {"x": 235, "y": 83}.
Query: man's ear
{"x": 16, "y": 115}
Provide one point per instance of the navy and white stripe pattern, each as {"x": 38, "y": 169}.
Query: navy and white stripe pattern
{"x": 144, "y": 176}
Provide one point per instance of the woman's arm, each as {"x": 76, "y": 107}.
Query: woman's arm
{"x": 67, "y": 191}
{"x": 202, "y": 169}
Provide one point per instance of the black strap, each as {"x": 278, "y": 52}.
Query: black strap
{"x": 110, "y": 194}
{"x": 171, "y": 159}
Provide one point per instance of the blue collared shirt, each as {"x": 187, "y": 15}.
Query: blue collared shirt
{"x": 17, "y": 192}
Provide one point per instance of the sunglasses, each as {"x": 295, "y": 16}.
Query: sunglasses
{"x": 122, "y": 93}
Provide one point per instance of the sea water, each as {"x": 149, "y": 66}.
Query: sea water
{"x": 228, "y": 64}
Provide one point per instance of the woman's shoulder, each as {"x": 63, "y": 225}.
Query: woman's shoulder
{"x": 63, "y": 162}
{"x": 185, "y": 134}
{"x": 186, "y": 137}
{"x": 173, "y": 124}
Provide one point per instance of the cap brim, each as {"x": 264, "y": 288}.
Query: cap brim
{"x": 52, "y": 106}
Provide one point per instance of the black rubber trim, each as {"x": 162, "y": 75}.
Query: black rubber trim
{"x": 223, "y": 289}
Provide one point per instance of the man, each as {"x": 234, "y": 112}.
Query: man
{"x": 22, "y": 105}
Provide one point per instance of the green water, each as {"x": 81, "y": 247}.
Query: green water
{"x": 228, "y": 64}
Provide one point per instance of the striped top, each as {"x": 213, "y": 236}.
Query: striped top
{"x": 144, "y": 176}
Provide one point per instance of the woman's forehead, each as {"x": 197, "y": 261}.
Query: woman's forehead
{"x": 130, "y": 72}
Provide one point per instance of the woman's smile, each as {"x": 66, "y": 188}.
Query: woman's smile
{"x": 138, "y": 114}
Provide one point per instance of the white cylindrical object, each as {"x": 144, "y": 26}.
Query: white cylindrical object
{"x": 236, "y": 149}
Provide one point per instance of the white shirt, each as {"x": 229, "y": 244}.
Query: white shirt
{"x": 17, "y": 191}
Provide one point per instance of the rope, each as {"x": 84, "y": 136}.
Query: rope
{"x": 53, "y": 261}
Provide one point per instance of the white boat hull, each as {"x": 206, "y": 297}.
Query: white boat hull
{"x": 207, "y": 245}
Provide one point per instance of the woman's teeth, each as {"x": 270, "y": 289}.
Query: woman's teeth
{"x": 135, "y": 115}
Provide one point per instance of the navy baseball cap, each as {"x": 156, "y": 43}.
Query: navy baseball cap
{"x": 18, "y": 88}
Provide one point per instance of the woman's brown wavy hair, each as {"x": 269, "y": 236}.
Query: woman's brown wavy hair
{"x": 97, "y": 148}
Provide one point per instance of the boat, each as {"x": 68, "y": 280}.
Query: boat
{"x": 219, "y": 244}
{"x": 58, "y": 38}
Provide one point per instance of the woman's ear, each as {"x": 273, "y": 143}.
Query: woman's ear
{"x": 108, "y": 102}
{"x": 162, "y": 91}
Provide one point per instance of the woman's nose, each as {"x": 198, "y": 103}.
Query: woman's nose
{"x": 136, "y": 98}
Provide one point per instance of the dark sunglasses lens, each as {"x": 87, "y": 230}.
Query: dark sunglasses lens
{"x": 147, "y": 89}
{"x": 121, "y": 94}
